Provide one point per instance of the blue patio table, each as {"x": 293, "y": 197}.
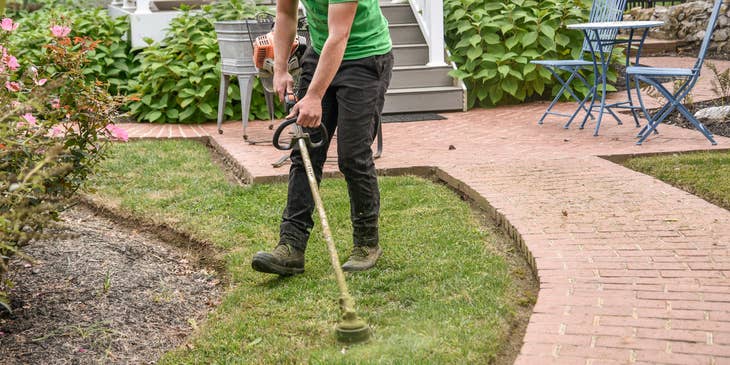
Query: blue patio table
{"x": 602, "y": 38}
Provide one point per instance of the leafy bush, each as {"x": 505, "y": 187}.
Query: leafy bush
{"x": 492, "y": 42}
{"x": 179, "y": 82}
{"x": 111, "y": 61}
{"x": 53, "y": 129}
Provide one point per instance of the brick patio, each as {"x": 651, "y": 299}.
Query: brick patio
{"x": 631, "y": 269}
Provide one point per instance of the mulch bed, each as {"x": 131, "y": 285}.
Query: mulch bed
{"x": 720, "y": 128}
{"x": 103, "y": 293}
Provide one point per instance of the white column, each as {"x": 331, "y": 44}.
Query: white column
{"x": 434, "y": 14}
{"x": 143, "y": 7}
{"x": 128, "y": 5}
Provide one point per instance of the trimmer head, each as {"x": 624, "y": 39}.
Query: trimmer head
{"x": 352, "y": 329}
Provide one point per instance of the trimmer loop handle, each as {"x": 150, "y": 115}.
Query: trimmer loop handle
{"x": 299, "y": 133}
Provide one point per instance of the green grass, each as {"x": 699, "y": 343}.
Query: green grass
{"x": 705, "y": 174}
{"x": 440, "y": 293}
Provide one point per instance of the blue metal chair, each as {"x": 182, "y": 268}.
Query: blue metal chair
{"x": 601, "y": 11}
{"x": 655, "y": 76}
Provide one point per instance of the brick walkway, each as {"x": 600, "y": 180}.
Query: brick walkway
{"x": 631, "y": 270}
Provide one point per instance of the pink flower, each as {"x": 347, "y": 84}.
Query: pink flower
{"x": 117, "y": 132}
{"x": 15, "y": 104}
{"x": 12, "y": 86}
{"x": 29, "y": 118}
{"x": 13, "y": 63}
{"x": 41, "y": 82}
{"x": 7, "y": 25}
{"x": 60, "y": 31}
{"x": 55, "y": 103}
{"x": 57, "y": 131}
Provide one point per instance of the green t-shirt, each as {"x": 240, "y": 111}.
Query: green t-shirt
{"x": 369, "y": 35}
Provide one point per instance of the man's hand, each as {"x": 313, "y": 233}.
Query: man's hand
{"x": 309, "y": 111}
{"x": 285, "y": 29}
{"x": 283, "y": 84}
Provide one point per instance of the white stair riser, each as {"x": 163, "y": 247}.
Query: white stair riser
{"x": 421, "y": 77}
{"x": 406, "y": 34}
{"x": 410, "y": 56}
{"x": 401, "y": 14}
{"x": 424, "y": 101}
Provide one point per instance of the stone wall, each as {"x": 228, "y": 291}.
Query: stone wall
{"x": 687, "y": 22}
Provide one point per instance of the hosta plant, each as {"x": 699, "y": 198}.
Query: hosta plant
{"x": 180, "y": 78}
{"x": 492, "y": 42}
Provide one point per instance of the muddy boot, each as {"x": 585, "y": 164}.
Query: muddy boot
{"x": 284, "y": 260}
{"x": 362, "y": 258}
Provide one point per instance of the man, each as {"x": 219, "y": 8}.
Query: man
{"x": 345, "y": 74}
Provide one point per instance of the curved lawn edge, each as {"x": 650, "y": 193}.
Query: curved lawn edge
{"x": 400, "y": 345}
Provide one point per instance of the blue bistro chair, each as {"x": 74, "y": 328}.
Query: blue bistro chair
{"x": 601, "y": 11}
{"x": 655, "y": 76}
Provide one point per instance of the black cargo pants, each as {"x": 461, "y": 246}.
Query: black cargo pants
{"x": 352, "y": 105}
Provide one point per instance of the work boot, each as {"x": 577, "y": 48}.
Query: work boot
{"x": 362, "y": 258}
{"x": 284, "y": 260}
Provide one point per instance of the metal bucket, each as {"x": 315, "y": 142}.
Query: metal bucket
{"x": 235, "y": 47}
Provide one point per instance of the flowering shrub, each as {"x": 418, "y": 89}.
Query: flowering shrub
{"x": 54, "y": 126}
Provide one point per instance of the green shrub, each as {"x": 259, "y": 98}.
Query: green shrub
{"x": 179, "y": 82}
{"x": 492, "y": 42}
{"x": 54, "y": 125}
{"x": 111, "y": 62}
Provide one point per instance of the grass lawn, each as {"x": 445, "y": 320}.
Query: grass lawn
{"x": 705, "y": 174}
{"x": 441, "y": 293}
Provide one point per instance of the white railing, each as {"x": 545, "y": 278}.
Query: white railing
{"x": 430, "y": 16}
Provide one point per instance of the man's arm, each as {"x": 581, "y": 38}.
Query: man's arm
{"x": 339, "y": 21}
{"x": 285, "y": 29}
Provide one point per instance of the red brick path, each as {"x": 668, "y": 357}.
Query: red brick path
{"x": 631, "y": 270}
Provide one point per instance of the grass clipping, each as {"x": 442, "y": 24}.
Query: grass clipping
{"x": 439, "y": 294}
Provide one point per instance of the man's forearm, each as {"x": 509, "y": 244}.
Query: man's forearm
{"x": 284, "y": 32}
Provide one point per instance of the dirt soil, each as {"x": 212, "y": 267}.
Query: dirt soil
{"x": 719, "y": 128}
{"x": 103, "y": 293}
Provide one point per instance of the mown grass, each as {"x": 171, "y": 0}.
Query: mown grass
{"x": 440, "y": 294}
{"x": 705, "y": 174}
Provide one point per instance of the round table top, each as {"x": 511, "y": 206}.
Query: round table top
{"x": 630, "y": 24}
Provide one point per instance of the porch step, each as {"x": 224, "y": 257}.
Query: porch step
{"x": 416, "y": 87}
{"x": 423, "y": 99}
{"x": 410, "y": 54}
{"x": 406, "y": 33}
{"x": 657, "y": 47}
{"x": 405, "y": 77}
{"x": 397, "y": 13}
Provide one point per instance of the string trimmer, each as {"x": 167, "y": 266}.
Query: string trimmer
{"x": 350, "y": 329}
{"x": 262, "y": 40}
